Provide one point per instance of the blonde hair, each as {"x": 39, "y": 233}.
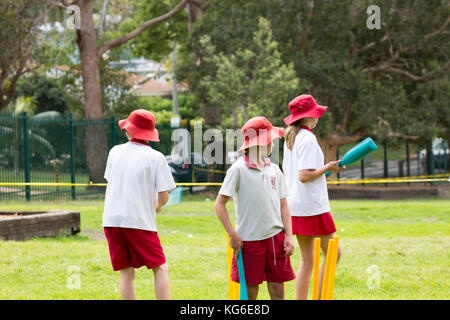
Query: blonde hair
{"x": 292, "y": 130}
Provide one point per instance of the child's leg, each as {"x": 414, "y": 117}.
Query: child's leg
{"x": 126, "y": 283}
{"x": 276, "y": 290}
{"x": 252, "y": 291}
{"x": 306, "y": 244}
{"x": 162, "y": 289}
{"x": 324, "y": 245}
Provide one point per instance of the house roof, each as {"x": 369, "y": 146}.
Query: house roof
{"x": 140, "y": 85}
{"x": 152, "y": 87}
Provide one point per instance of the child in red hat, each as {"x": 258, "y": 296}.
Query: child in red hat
{"x": 303, "y": 165}
{"x": 139, "y": 180}
{"x": 263, "y": 222}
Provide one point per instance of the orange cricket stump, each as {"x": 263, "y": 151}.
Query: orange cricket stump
{"x": 330, "y": 289}
{"x": 326, "y": 274}
{"x": 233, "y": 287}
{"x": 316, "y": 269}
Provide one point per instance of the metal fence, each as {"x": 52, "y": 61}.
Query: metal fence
{"x": 400, "y": 158}
{"x": 53, "y": 150}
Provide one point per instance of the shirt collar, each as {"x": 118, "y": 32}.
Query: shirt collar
{"x": 305, "y": 127}
{"x": 253, "y": 165}
{"x": 139, "y": 141}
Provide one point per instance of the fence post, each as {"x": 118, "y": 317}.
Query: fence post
{"x": 113, "y": 131}
{"x": 385, "y": 162}
{"x": 408, "y": 164}
{"x": 338, "y": 175}
{"x": 191, "y": 172}
{"x": 26, "y": 148}
{"x": 430, "y": 159}
{"x": 362, "y": 171}
{"x": 72, "y": 155}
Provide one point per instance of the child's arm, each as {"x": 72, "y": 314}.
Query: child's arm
{"x": 287, "y": 223}
{"x": 307, "y": 175}
{"x": 163, "y": 197}
{"x": 222, "y": 214}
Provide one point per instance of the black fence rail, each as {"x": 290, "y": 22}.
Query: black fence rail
{"x": 53, "y": 150}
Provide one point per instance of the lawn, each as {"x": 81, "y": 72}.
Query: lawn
{"x": 391, "y": 250}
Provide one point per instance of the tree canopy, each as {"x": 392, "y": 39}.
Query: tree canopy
{"x": 388, "y": 82}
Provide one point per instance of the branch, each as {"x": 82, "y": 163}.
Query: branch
{"x": 425, "y": 77}
{"x": 144, "y": 26}
{"x": 61, "y": 4}
{"x": 389, "y": 65}
{"x": 372, "y": 44}
{"x": 304, "y": 36}
{"x": 439, "y": 31}
{"x": 336, "y": 139}
{"x": 394, "y": 134}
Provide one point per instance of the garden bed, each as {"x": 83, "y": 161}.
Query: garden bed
{"x": 22, "y": 225}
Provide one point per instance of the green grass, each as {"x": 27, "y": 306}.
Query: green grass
{"x": 405, "y": 242}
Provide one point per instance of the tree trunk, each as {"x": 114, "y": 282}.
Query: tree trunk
{"x": 329, "y": 149}
{"x": 235, "y": 116}
{"x": 330, "y": 144}
{"x": 211, "y": 115}
{"x": 95, "y": 141}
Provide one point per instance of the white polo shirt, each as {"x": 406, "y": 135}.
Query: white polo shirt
{"x": 256, "y": 195}
{"x": 309, "y": 198}
{"x": 135, "y": 174}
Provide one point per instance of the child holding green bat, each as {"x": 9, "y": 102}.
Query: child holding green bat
{"x": 303, "y": 166}
{"x": 263, "y": 234}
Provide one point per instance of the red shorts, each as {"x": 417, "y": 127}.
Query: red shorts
{"x": 134, "y": 248}
{"x": 318, "y": 225}
{"x": 264, "y": 260}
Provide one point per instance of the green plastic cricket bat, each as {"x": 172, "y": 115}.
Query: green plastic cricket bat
{"x": 356, "y": 153}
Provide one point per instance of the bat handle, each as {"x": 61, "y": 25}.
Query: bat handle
{"x": 330, "y": 172}
{"x": 243, "y": 295}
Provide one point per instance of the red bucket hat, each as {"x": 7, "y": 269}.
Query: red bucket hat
{"x": 258, "y": 131}
{"x": 304, "y": 106}
{"x": 141, "y": 125}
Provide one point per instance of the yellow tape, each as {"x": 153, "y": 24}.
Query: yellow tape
{"x": 50, "y": 184}
{"x": 398, "y": 178}
{"x": 191, "y": 184}
{"x": 385, "y": 181}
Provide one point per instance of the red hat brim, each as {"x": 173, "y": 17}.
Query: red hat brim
{"x": 262, "y": 138}
{"x": 317, "y": 112}
{"x": 139, "y": 133}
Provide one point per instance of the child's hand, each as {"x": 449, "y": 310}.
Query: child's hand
{"x": 235, "y": 243}
{"x": 333, "y": 166}
{"x": 159, "y": 208}
{"x": 288, "y": 245}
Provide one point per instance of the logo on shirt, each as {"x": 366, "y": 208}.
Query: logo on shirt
{"x": 273, "y": 180}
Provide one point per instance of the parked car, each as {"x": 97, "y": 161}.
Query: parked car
{"x": 441, "y": 156}
{"x": 180, "y": 168}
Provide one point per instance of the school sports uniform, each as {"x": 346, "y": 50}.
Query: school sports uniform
{"x": 135, "y": 173}
{"x": 256, "y": 194}
{"x": 308, "y": 202}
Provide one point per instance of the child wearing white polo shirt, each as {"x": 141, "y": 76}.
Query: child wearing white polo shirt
{"x": 139, "y": 179}
{"x": 303, "y": 165}
{"x": 263, "y": 223}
